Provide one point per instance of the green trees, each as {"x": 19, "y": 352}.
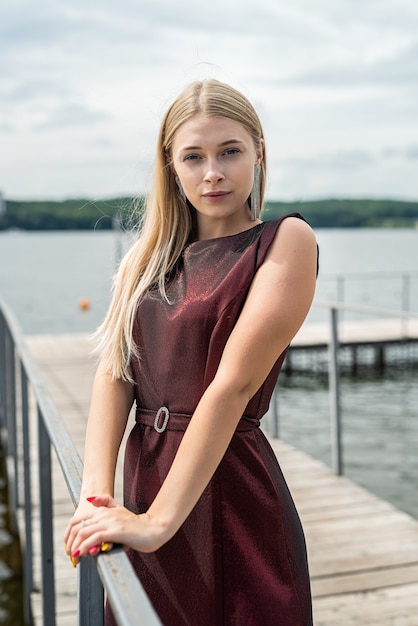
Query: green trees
{"x": 336, "y": 213}
{"x": 80, "y": 214}
{"x": 65, "y": 215}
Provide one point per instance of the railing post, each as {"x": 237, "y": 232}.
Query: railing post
{"x": 10, "y": 423}
{"x": 275, "y": 413}
{"x": 27, "y": 495}
{"x": 406, "y": 291}
{"x": 90, "y": 594}
{"x": 46, "y": 521}
{"x": 340, "y": 289}
{"x": 2, "y": 372}
{"x": 406, "y": 302}
{"x": 336, "y": 447}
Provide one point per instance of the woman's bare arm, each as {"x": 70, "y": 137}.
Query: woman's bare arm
{"x": 111, "y": 402}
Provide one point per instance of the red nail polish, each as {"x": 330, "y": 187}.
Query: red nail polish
{"x": 94, "y": 549}
{"x": 75, "y": 554}
{"x": 91, "y": 498}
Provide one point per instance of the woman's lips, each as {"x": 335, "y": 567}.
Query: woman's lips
{"x": 216, "y": 196}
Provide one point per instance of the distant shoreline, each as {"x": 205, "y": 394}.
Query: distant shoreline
{"x": 84, "y": 214}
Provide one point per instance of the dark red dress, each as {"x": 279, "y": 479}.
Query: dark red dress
{"x": 239, "y": 559}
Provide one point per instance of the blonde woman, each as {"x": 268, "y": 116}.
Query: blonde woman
{"x": 205, "y": 305}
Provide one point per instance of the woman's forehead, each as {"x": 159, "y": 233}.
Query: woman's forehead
{"x": 202, "y": 128}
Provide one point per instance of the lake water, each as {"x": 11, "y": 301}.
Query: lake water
{"x": 43, "y": 277}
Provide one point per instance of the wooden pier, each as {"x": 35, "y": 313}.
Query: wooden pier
{"x": 363, "y": 552}
{"x": 375, "y": 343}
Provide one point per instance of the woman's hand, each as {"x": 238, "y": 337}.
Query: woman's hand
{"x": 83, "y": 512}
{"x": 105, "y": 522}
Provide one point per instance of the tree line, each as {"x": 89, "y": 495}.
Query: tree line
{"x": 80, "y": 214}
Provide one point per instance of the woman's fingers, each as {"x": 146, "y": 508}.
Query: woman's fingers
{"x": 73, "y": 530}
{"x": 106, "y": 546}
{"x": 76, "y": 530}
{"x": 105, "y": 526}
{"x": 107, "y": 501}
{"x": 98, "y": 532}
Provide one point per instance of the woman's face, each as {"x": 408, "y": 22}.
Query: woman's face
{"x": 214, "y": 158}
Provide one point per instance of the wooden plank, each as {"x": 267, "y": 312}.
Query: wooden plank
{"x": 369, "y": 580}
{"x": 395, "y": 606}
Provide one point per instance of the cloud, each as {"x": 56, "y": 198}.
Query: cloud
{"x": 334, "y": 82}
{"x": 409, "y": 152}
{"x": 401, "y": 69}
{"x": 412, "y": 152}
{"x": 341, "y": 160}
{"x": 31, "y": 89}
{"x": 345, "y": 173}
{"x": 69, "y": 115}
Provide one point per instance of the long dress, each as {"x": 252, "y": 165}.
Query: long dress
{"x": 240, "y": 558}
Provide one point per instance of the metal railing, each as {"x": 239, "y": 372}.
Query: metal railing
{"x": 405, "y": 285}
{"x": 24, "y": 398}
{"x": 334, "y": 344}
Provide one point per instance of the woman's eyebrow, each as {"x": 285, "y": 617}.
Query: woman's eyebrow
{"x": 223, "y": 143}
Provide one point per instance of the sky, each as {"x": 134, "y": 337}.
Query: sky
{"x": 84, "y": 83}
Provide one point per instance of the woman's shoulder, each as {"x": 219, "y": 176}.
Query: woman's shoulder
{"x": 290, "y": 224}
{"x": 295, "y": 218}
{"x": 289, "y": 234}
{"x": 293, "y": 240}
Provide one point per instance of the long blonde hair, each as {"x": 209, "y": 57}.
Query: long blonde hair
{"x": 167, "y": 221}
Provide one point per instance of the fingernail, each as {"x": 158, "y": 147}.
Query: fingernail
{"x": 65, "y": 548}
{"x": 76, "y": 553}
{"x": 94, "y": 549}
{"x": 91, "y": 498}
{"x": 74, "y": 562}
{"x": 104, "y": 547}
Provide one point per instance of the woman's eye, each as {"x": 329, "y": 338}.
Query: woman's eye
{"x": 231, "y": 151}
{"x": 191, "y": 157}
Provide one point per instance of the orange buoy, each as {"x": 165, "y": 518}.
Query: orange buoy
{"x": 84, "y": 304}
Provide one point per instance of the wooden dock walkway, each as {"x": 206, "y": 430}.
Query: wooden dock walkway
{"x": 363, "y": 553}
{"x": 358, "y": 332}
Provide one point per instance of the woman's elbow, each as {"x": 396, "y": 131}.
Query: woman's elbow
{"x": 236, "y": 388}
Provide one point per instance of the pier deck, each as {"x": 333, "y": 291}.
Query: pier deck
{"x": 363, "y": 552}
{"x": 358, "y": 333}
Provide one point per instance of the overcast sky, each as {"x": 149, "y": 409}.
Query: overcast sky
{"x": 83, "y": 85}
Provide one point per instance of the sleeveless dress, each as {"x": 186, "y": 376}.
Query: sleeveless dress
{"x": 240, "y": 558}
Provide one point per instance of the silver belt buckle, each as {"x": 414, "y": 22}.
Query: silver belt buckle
{"x": 161, "y": 429}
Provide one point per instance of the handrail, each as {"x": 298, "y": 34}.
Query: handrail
{"x": 406, "y": 277}
{"x": 369, "y": 274}
{"x": 112, "y": 570}
{"x": 365, "y": 309}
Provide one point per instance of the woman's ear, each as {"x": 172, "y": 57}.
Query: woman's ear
{"x": 260, "y": 152}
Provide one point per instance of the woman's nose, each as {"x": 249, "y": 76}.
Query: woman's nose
{"x": 213, "y": 172}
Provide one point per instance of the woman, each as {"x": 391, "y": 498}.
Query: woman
{"x": 204, "y": 307}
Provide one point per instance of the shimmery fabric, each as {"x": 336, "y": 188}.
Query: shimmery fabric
{"x": 240, "y": 558}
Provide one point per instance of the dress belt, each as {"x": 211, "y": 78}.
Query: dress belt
{"x": 163, "y": 419}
